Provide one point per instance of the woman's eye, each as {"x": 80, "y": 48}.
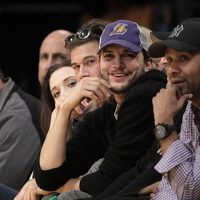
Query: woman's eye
{"x": 56, "y": 95}
{"x": 76, "y": 67}
{"x": 71, "y": 84}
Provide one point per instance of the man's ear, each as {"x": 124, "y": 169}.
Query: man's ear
{"x": 148, "y": 65}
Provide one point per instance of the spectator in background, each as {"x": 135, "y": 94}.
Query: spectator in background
{"x": 151, "y": 36}
{"x": 52, "y": 51}
{"x": 20, "y": 133}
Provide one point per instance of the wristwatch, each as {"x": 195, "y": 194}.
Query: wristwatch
{"x": 162, "y": 130}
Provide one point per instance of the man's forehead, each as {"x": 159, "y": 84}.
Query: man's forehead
{"x": 173, "y": 52}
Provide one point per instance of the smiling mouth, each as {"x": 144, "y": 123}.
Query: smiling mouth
{"x": 119, "y": 74}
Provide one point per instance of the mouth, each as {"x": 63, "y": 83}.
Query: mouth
{"x": 119, "y": 76}
{"x": 178, "y": 83}
{"x": 175, "y": 82}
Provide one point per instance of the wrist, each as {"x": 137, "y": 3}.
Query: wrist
{"x": 162, "y": 120}
{"x": 163, "y": 130}
{"x": 164, "y": 117}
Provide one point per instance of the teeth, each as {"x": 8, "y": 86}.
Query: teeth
{"x": 119, "y": 74}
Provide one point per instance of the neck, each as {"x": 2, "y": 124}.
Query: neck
{"x": 196, "y": 101}
{"x": 119, "y": 98}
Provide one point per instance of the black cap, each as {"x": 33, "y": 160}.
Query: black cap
{"x": 156, "y": 36}
{"x": 184, "y": 37}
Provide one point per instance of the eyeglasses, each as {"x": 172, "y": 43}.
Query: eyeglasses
{"x": 84, "y": 34}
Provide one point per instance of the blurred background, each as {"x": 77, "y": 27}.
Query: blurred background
{"x": 25, "y": 24}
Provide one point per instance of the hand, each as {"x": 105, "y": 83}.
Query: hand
{"x": 79, "y": 110}
{"x": 166, "y": 104}
{"x": 84, "y": 107}
{"x": 30, "y": 191}
{"x": 93, "y": 88}
{"x": 153, "y": 188}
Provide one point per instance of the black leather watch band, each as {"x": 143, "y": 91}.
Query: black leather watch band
{"x": 163, "y": 130}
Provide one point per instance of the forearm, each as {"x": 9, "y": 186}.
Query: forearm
{"x": 72, "y": 184}
{"x": 53, "y": 152}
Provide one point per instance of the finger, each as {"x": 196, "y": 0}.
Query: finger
{"x": 78, "y": 110}
{"x": 20, "y": 195}
{"x": 168, "y": 84}
{"x": 98, "y": 85}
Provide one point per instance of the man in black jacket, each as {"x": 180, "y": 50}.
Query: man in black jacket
{"x": 121, "y": 130}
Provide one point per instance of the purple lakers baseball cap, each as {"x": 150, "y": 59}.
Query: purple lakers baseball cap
{"x": 125, "y": 33}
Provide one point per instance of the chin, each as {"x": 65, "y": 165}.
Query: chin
{"x": 122, "y": 89}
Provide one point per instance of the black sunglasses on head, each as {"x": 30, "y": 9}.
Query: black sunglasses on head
{"x": 84, "y": 34}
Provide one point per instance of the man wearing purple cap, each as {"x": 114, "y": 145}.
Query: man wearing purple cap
{"x": 121, "y": 130}
{"x": 180, "y": 163}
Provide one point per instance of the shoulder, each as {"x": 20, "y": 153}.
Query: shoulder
{"x": 148, "y": 85}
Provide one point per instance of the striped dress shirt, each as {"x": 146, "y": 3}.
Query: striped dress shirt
{"x": 182, "y": 159}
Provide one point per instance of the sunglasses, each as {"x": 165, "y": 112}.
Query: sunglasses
{"x": 84, "y": 34}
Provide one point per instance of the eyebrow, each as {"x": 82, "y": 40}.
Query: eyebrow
{"x": 85, "y": 58}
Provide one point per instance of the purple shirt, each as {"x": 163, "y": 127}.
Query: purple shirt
{"x": 182, "y": 159}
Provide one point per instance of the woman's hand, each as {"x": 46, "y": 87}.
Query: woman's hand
{"x": 93, "y": 88}
{"x": 30, "y": 191}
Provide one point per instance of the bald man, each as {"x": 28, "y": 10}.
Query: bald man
{"x": 52, "y": 51}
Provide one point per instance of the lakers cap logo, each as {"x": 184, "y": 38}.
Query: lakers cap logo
{"x": 119, "y": 29}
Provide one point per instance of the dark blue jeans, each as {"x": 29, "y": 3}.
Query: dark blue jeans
{"x": 7, "y": 193}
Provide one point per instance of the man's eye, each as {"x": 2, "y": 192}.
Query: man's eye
{"x": 61, "y": 57}
{"x": 129, "y": 55}
{"x": 44, "y": 56}
{"x": 108, "y": 56}
{"x": 90, "y": 62}
{"x": 169, "y": 61}
{"x": 184, "y": 58}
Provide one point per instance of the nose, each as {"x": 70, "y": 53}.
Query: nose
{"x": 83, "y": 72}
{"x": 64, "y": 93}
{"x": 52, "y": 60}
{"x": 118, "y": 62}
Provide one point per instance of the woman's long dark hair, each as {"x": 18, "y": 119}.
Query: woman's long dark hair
{"x": 48, "y": 103}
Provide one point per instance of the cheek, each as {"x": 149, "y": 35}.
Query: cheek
{"x": 133, "y": 68}
{"x": 103, "y": 67}
{"x": 96, "y": 70}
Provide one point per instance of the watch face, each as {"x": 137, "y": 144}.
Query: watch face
{"x": 160, "y": 131}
